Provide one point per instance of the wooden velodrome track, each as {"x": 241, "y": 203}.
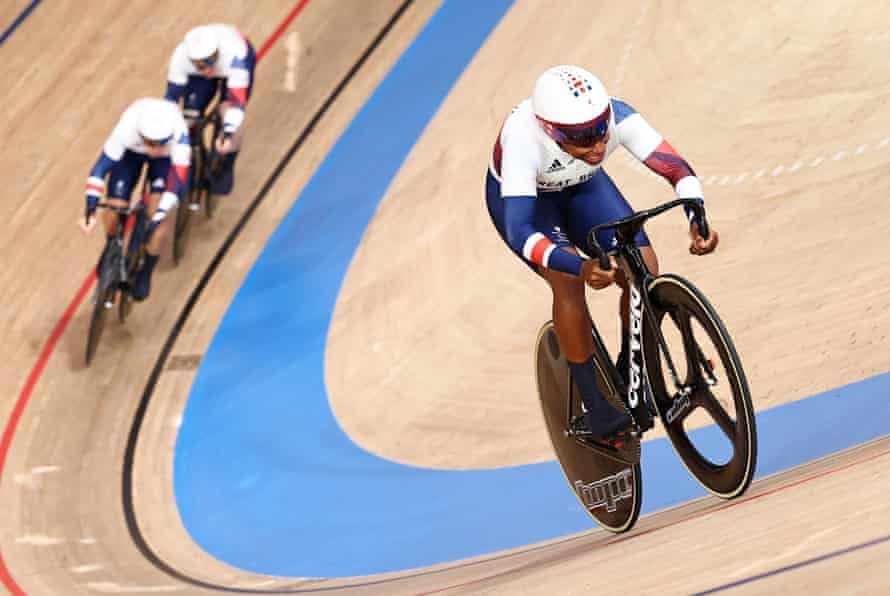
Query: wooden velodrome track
{"x": 780, "y": 107}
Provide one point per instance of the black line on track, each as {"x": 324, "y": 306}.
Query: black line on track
{"x": 129, "y": 455}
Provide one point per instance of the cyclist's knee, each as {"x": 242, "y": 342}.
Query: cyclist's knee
{"x": 650, "y": 258}
{"x": 191, "y": 115}
{"x": 621, "y": 280}
{"x": 155, "y": 237}
{"x": 563, "y": 284}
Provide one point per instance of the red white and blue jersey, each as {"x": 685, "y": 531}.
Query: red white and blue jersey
{"x": 125, "y": 137}
{"x": 526, "y": 161}
{"x": 528, "y": 165}
{"x": 232, "y": 65}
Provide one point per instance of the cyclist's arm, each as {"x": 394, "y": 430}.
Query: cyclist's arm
{"x": 644, "y": 142}
{"x": 112, "y": 152}
{"x": 237, "y": 83}
{"x": 519, "y": 172}
{"x": 177, "y": 74}
{"x": 177, "y": 175}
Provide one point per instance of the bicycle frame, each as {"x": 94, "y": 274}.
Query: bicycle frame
{"x": 120, "y": 235}
{"x": 660, "y": 300}
{"x": 208, "y": 117}
{"x": 639, "y": 277}
{"x": 199, "y": 146}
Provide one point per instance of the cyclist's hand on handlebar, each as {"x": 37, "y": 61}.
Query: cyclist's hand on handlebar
{"x": 224, "y": 143}
{"x": 87, "y": 223}
{"x": 89, "y": 215}
{"x": 595, "y": 277}
{"x": 699, "y": 245}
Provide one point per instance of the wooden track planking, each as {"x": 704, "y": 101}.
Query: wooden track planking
{"x": 429, "y": 358}
{"x": 78, "y": 418}
{"x": 787, "y": 199}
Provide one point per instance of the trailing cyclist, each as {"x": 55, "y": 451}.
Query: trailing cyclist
{"x": 150, "y": 131}
{"x": 546, "y": 189}
{"x": 210, "y": 58}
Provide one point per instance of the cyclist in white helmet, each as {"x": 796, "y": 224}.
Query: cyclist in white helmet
{"x": 150, "y": 131}
{"x": 211, "y": 59}
{"x": 546, "y": 188}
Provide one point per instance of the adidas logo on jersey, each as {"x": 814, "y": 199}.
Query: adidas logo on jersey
{"x": 555, "y": 166}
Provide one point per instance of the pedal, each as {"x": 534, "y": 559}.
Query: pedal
{"x": 625, "y": 449}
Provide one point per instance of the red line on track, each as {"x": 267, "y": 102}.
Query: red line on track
{"x": 281, "y": 28}
{"x": 50, "y": 345}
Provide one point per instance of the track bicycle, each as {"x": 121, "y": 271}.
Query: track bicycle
{"x": 683, "y": 369}
{"x": 117, "y": 267}
{"x": 205, "y": 167}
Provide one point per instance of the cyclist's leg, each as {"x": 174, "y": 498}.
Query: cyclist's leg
{"x": 155, "y": 211}
{"x": 121, "y": 178}
{"x": 599, "y": 201}
{"x": 199, "y": 92}
{"x": 571, "y": 317}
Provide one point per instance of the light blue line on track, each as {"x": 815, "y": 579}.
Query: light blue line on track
{"x": 264, "y": 477}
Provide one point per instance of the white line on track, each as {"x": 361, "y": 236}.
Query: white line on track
{"x": 115, "y": 588}
{"x": 39, "y": 540}
{"x": 777, "y": 170}
{"x": 629, "y": 47}
{"x": 292, "y": 44}
{"x": 80, "y": 569}
{"x": 30, "y": 478}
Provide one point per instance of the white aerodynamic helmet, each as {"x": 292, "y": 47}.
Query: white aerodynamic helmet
{"x": 572, "y": 105}
{"x": 202, "y": 45}
{"x": 157, "y": 122}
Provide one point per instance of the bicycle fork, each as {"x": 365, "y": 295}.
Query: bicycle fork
{"x": 683, "y": 390}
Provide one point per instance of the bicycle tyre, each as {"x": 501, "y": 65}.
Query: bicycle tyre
{"x": 210, "y": 198}
{"x": 183, "y": 213}
{"x": 671, "y": 294}
{"x": 97, "y": 321}
{"x": 213, "y": 159}
{"x": 125, "y": 301}
{"x": 106, "y": 287}
{"x": 609, "y": 490}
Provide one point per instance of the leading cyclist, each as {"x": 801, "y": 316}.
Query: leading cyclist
{"x": 546, "y": 188}
{"x": 151, "y": 131}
